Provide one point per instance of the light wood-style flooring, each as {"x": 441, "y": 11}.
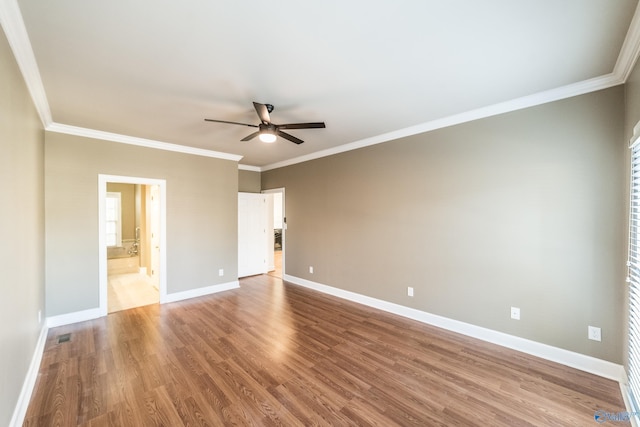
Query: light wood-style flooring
{"x": 277, "y": 263}
{"x": 272, "y": 353}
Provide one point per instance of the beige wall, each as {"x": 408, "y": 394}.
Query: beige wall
{"x": 21, "y": 228}
{"x": 524, "y": 209}
{"x": 201, "y": 216}
{"x": 127, "y": 207}
{"x": 248, "y": 181}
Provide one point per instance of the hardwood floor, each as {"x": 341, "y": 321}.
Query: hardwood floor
{"x": 272, "y": 353}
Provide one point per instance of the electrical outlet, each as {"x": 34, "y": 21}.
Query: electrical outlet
{"x": 39, "y": 316}
{"x": 515, "y": 313}
{"x": 595, "y": 334}
{"x": 410, "y": 291}
{"x": 221, "y": 272}
{"x": 311, "y": 269}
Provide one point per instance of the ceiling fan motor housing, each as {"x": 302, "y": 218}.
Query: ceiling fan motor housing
{"x": 267, "y": 127}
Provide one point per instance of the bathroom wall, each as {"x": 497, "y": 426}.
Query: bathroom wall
{"x": 128, "y": 207}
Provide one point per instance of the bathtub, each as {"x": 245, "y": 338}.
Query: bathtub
{"x": 121, "y": 261}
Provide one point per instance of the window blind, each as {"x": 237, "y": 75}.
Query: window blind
{"x": 633, "y": 277}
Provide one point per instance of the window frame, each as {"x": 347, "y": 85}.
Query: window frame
{"x": 117, "y": 196}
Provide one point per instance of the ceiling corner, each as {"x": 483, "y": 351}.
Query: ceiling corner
{"x": 249, "y": 168}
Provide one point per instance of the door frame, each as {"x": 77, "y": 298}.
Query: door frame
{"x": 102, "y": 243}
{"x": 284, "y": 221}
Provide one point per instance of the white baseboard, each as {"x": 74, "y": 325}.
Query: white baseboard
{"x": 94, "y": 313}
{"x": 199, "y": 292}
{"x": 572, "y": 359}
{"x": 30, "y": 380}
{"x": 626, "y": 396}
{"x": 75, "y": 317}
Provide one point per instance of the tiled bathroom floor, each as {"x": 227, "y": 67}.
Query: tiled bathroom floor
{"x": 130, "y": 290}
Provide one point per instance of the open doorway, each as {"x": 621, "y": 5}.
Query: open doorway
{"x": 132, "y": 271}
{"x": 277, "y": 254}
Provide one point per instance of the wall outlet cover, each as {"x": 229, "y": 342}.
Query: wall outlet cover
{"x": 595, "y": 333}
{"x": 410, "y": 291}
{"x": 515, "y": 313}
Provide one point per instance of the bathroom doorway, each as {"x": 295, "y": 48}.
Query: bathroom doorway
{"x": 276, "y": 256}
{"x": 132, "y": 271}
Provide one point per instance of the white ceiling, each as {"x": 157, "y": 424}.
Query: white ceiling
{"x": 372, "y": 70}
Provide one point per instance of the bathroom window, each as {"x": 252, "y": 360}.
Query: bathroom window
{"x": 114, "y": 220}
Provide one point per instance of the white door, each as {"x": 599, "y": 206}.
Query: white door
{"x": 253, "y": 229}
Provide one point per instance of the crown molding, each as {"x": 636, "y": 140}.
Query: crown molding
{"x": 563, "y": 92}
{"x": 141, "y": 142}
{"x": 630, "y": 49}
{"x": 624, "y": 65}
{"x": 16, "y": 32}
{"x": 249, "y": 168}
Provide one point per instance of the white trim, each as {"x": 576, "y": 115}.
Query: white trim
{"x": 199, "y": 292}
{"x": 102, "y": 247}
{"x": 572, "y": 359}
{"x": 141, "y": 142}
{"x": 626, "y": 396}
{"x": 94, "y": 313}
{"x": 249, "y": 168}
{"x": 75, "y": 317}
{"x": 18, "y": 38}
{"x": 635, "y": 138}
{"x": 630, "y": 49}
{"x": 13, "y": 25}
{"x": 118, "y": 196}
{"x": 30, "y": 380}
{"x": 568, "y": 91}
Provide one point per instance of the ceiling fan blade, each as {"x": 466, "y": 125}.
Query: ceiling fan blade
{"x": 263, "y": 112}
{"x": 231, "y": 123}
{"x": 315, "y": 125}
{"x": 289, "y": 137}
{"x": 248, "y": 137}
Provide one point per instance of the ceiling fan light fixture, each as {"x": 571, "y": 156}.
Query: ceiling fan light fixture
{"x": 268, "y": 131}
{"x": 267, "y": 136}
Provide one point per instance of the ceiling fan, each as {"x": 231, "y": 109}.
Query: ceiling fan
{"x": 267, "y": 130}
